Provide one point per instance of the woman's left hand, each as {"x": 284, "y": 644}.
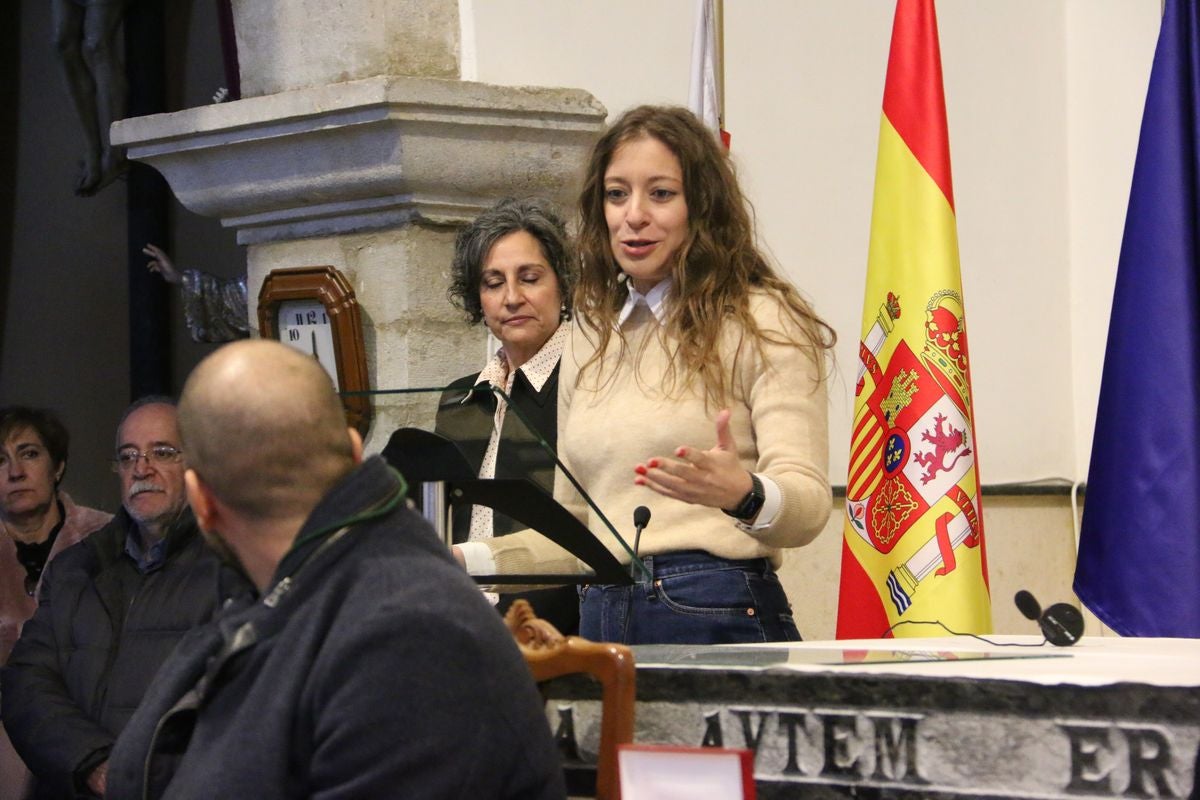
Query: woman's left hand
{"x": 705, "y": 477}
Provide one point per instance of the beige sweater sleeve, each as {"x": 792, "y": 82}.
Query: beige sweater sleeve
{"x": 790, "y": 421}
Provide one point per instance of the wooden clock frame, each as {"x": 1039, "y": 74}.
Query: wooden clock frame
{"x": 329, "y": 287}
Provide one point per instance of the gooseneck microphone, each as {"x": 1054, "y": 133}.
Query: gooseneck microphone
{"x": 1061, "y": 623}
{"x": 641, "y": 518}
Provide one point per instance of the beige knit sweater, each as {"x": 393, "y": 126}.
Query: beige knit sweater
{"x": 606, "y": 427}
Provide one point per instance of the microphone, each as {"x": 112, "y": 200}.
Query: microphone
{"x": 641, "y": 518}
{"x": 1061, "y": 623}
{"x": 1028, "y": 605}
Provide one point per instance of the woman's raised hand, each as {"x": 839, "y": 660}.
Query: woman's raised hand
{"x": 711, "y": 477}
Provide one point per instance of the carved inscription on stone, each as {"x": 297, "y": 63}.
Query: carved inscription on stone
{"x": 997, "y": 755}
{"x": 1122, "y": 760}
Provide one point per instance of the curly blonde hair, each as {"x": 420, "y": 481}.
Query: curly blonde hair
{"x": 714, "y": 271}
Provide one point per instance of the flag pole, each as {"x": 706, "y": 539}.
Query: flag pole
{"x": 719, "y": 12}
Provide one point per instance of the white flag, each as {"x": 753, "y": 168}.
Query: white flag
{"x": 704, "y": 97}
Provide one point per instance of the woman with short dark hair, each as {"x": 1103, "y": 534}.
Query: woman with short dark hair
{"x": 512, "y": 272}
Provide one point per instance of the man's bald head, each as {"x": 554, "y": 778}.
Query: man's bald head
{"x": 264, "y": 429}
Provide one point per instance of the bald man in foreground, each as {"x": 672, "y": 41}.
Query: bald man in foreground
{"x": 370, "y": 666}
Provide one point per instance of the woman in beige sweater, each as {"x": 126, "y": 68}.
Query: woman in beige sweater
{"x": 693, "y": 384}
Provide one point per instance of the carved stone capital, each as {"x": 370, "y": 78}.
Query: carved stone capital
{"x": 367, "y": 154}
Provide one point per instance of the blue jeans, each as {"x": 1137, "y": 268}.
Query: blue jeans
{"x": 692, "y": 598}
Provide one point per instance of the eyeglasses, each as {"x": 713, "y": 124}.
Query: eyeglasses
{"x": 128, "y": 458}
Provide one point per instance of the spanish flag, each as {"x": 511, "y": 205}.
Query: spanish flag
{"x": 913, "y": 546}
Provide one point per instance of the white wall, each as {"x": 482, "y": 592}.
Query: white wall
{"x": 1110, "y": 46}
{"x": 1044, "y": 100}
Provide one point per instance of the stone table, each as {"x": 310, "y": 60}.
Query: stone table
{"x": 918, "y": 718}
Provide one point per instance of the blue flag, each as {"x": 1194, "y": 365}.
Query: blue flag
{"x": 1139, "y": 548}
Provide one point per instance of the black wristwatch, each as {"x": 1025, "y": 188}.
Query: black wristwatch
{"x": 751, "y": 504}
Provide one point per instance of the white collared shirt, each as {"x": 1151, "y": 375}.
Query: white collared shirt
{"x": 655, "y": 300}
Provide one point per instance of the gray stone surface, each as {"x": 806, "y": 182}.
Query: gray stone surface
{"x": 892, "y": 736}
{"x": 412, "y": 335}
{"x": 367, "y": 154}
{"x": 373, "y": 177}
{"x": 297, "y": 44}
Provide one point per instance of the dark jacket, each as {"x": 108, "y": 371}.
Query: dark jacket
{"x": 466, "y": 417}
{"x": 16, "y": 606}
{"x": 101, "y": 630}
{"x": 372, "y": 667}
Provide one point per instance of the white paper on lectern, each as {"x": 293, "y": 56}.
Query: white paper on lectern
{"x": 667, "y": 773}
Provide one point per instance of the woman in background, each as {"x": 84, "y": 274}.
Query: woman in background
{"x": 694, "y": 384}
{"x": 39, "y": 521}
{"x": 511, "y": 271}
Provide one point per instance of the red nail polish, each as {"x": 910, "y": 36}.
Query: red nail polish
{"x": 654, "y": 463}
{"x": 639, "y": 469}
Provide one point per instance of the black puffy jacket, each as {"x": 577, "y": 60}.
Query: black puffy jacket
{"x": 101, "y": 630}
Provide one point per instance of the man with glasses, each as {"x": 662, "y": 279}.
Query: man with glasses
{"x": 110, "y": 611}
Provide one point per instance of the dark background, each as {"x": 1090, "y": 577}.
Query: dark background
{"x": 64, "y": 298}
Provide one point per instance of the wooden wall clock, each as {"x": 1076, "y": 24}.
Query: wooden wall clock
{"x": 314, "y": 310}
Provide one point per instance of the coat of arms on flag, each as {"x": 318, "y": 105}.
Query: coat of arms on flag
{"x": 911, "y": 450}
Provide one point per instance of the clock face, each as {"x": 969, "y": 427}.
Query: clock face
{"x": 293, "y": 307}
{"x": 305, "y": 325}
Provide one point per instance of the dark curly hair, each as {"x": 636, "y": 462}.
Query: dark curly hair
{"x": 473, "y": 243}
{"x": 42, "y": 421}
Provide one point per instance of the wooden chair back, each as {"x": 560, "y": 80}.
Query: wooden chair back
{"x": 549, "y": 655}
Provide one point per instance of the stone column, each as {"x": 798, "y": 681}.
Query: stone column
{"x": 356, "y": 146}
